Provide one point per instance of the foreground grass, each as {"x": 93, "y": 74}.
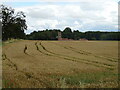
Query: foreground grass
{"x": 77, "y": 80}
{"x": 9, "y": 41}
{"x": 89, "y": 80}
{"x": 9, "y": 83}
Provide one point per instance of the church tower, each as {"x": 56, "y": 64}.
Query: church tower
{"x": 59, "y": 36}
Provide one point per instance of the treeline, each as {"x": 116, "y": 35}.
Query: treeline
{"x": 14, "y": 26}
{"x": 52, "y": 34}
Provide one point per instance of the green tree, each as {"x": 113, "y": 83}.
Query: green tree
{"x": 111, "y": 36}
{"x": 67, "y": 33}
{"x": 13, "y": 25}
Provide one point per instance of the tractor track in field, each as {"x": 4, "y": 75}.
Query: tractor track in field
{"x": 87, "y": 53}
{"x": 32, "y": 76}
{"x": 95, "y": 63}
{"x": 25, "y": 50}
{"x": 74, "y": 57}
{"x": 41, "y": 51}
{"x": 27, "y": 74}
{"x": 4, "y": 57}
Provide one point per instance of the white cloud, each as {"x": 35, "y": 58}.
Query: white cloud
{"x": 81, "y": 16}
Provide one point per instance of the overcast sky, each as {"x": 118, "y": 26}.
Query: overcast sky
{"x": 83, "y": 15}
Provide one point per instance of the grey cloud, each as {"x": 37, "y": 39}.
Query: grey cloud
{"x": 41, "y": 13}
{"x": 90, "y": 16}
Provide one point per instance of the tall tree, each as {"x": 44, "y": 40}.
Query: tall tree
{"x": 67, "y": 33}
{"x": 13, "y": 25}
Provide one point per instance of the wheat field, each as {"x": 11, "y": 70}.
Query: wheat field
{"x": 60, "y": 64}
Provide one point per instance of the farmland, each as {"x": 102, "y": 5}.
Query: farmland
{"x": 60, "y": 64}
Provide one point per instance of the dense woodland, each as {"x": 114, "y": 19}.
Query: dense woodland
{"x": 14, "y": 26}
{"x": 75, "y": 35}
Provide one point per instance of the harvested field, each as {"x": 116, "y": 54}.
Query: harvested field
{"x": 60, "y": 64}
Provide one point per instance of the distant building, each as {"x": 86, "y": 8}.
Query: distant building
{"x": 83, "y": 39}
{"x": 60, "y": 37}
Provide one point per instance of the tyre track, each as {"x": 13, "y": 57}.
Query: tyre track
{"x": 32, "y": 76}
{"x": 95, "y": 63}
{"x": 27, "y": 74}
{"x": 25, "y": 50}
{"x": 75, "y": 57}
{"x": 87, "y": 53}
{"x": 4, "y": 57}
{"x": 41, "y": 51}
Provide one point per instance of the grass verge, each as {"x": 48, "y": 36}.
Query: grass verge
{"x": 84, "y": 80}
